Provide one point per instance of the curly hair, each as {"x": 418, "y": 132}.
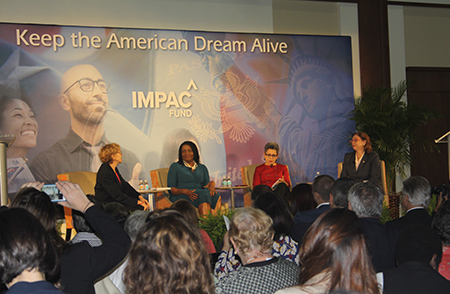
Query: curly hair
{"x": 168, "y": 256}
{"x": 108, "y": 151}
{"x": 335, "y": 244}
{"x": 251, "y": 229}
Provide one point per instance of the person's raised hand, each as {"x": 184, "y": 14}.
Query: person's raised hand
{"x": 74, "y": 195}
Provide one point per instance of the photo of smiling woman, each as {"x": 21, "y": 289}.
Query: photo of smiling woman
{"x": 17, "y": 118}
{"x": 189, "y": 179}
{"x": 271, "y": 173}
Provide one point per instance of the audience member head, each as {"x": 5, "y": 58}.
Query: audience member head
{"x": 275, "y": 207}
{"x": 106, "y": 152}
{"x": 194, "y": 151}
{"x": 416, "y": 192}
{"x": 251, "y": 233}
{"x": 135, "y": 221}
{"x": 117, "y": 211}
{"x": 260, "y": 189}
{"x": 322, "y": 186}
{"x": 39, "y": 204}
{"x": 366, "y": 200}
{"x": 339, "y": 192}
{"x": 187, "y": 210}
{"x": 79, "y": 222}
{"x": 335, "y": 244}
{"x": 418, "y": 243}
{"x": 301, "y": 198}
{"x": 25, "y": 246}
{"x": 441, "y": 223}
{"x": 168, "y": 256}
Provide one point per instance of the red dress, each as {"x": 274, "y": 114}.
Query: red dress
{"x": 268, "y": 175}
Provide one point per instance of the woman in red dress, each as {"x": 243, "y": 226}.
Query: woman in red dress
{"x": 271, "y": 173}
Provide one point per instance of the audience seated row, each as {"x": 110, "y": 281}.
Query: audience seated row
{"x": 340, "y": 249}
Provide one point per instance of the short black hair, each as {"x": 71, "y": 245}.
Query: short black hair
{"x": 323, "y": 185}
{"x": 275, "y": 207}
{"x": 194, "y": 149}
{"x": 340, "y": 191}
{"x": 418, "y": 243}
{"x": 24, "y": 244}
{"x": 260, "y": 189}
{"x": 79, "y": 222}
{"x": 117, "y": 211}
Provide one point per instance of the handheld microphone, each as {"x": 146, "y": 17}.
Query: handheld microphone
{"x": 271, "y": 165}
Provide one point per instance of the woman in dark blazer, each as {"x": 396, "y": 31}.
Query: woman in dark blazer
{"x": 362, "y": 164}
{"x": 110, "y": 186}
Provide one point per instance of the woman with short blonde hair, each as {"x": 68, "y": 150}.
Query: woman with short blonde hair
{"x": 251, "y": 234}
{"x": 110, "y": 185}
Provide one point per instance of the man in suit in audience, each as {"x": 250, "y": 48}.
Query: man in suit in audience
{"x": 416, "y": 194}
{"x": 418, "y": 253}
{"x": 366, "y": 200}
{"x": 339, "y": 193}
{"x": 322, "y": 186}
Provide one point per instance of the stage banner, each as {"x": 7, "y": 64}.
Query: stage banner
{"x": 150, "y": 90}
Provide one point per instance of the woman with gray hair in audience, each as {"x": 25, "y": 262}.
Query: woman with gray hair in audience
{"x": 251, "y": 233}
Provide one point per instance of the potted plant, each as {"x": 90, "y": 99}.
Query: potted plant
{"x": 390, "y": 122}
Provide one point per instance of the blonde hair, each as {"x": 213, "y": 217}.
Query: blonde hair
{"x": 108, "y": 151}
{"x": 251, "y": 229}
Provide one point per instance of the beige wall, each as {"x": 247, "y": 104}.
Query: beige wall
{"x": 305, "y": 17}
{"x": 427, "y": 36}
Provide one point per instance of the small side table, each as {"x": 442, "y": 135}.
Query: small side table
{"x": 232, "y": 191}
{"x": 150, "y": 192}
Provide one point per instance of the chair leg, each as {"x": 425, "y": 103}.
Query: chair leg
{"x": 204, "y": 209}
{"x": 216, "y": 210}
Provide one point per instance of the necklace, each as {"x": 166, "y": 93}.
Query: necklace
{"x": 268, "y": 256}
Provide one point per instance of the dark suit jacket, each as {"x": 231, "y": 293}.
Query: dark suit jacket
{"x": 418, "y": 216}
{"x": 109, "y": 189}
{"x": 380, "y": 241}
{"x": 414, "y": 278}
{"x": 303, "y": 220}
{"x": 369, "y": 168}
{"x": 310, "y": 216}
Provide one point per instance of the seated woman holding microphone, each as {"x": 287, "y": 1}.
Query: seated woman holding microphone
{"x": 110, "y": 186}
{"x": 271, "y": 173}
{"x": 362, "y": 164}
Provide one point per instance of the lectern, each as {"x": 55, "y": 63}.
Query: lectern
{"x": 5, "y": 142}
{"x": 445, "y": 139}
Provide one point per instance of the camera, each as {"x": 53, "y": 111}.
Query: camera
{"x": 53, "y": 192}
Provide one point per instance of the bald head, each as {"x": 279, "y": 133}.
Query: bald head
{"x": 78, "y": 72}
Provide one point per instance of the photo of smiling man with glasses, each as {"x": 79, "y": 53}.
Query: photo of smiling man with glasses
{"x": 271, "y": 173}
{"x": 84, "y": 94}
